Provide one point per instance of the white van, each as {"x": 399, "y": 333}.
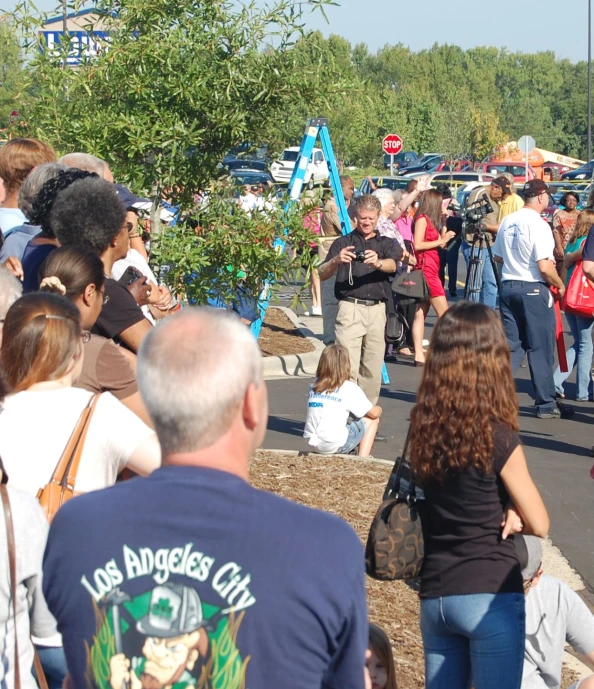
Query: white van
{"x": 316, "y": 173}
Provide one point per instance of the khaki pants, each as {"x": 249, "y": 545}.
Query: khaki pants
{"x": 361, "y": 330}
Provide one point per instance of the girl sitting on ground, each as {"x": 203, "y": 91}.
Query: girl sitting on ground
{"x": 332, "y": 398}
{"x": 380, "y": 663}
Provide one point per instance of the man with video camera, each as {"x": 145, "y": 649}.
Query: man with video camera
{"x": 363, "y": 262}
{"x": 490, "y": 195}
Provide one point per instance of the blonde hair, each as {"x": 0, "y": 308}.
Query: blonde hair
{"x": 582, "y": 225}
{"x": 334, "y": 368}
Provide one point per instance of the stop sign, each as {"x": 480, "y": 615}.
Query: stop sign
{"x": 392, "y": 144}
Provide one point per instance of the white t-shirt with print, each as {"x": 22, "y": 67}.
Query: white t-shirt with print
{"x": 35, "y": 426}
{"x": 524, "y": 238}
{"x": 328, "y": 412}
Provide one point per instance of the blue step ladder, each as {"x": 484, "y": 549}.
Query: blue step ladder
{"x": 316, "y": 127}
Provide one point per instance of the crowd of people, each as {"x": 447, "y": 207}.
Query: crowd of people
{"x": 135, "y": 551}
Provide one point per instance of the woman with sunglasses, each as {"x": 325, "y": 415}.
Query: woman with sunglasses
{"x": 467, "y": 457}
{"x": 41, "y": 358}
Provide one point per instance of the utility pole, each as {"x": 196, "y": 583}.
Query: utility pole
{"x": 65, "y": 29}
{"x": 589, "y": 80}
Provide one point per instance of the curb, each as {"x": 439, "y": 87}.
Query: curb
{"x": 294, "y": 365}
{"x": 553, "y": 558}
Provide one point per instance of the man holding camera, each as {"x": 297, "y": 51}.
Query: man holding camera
{"x": 525, "y": 246}
{"x": 363, "y": 262}
{"x": 491, "y": 195}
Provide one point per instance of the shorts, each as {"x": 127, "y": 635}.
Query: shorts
{"x": 356, "y": 431}
{"x": 575, "y": 685}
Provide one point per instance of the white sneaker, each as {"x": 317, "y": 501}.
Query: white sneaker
{"x": 425, "y": 343}
{"x": 316, "y": 310}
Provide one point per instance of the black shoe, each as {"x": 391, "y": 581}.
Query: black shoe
{"x": 565, "y": 411}
{"x": 419, "y": 363}
{"x": 453, "y": 294}
{"x": 381, "y": 438}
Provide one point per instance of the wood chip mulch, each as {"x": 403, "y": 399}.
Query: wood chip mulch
{"x": 279, "y": 336}
{"x": 352, "y": 489}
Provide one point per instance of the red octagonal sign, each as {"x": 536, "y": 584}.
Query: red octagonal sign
{"x": 392, "y": 144}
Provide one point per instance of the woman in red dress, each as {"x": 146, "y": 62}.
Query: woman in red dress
{"x": 427, "y": 240}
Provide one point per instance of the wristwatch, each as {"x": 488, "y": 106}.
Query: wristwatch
{"x": 381, "y": 263}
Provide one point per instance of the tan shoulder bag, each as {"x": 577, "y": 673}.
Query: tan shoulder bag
{"x": 13, "y": 593}
{"x": 61, "y": 486}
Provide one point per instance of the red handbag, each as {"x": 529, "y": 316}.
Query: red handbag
{"x": 579, "y": 295}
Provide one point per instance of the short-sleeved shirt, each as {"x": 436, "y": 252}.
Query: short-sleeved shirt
{"x": 461, "y": 522}
{"x": 213, "y": 579}
{"x": 16, "y": 241}
{"x": 119, "y": 312}
{"x": 368, "y": 282}
{"x": 328, "y": 412}
{"x": 31, "y": 457}
{"x": 554, "y": 615}
{"x": 511, "y": 204}
{"x": 106, "y": 369}
{"x": 588, "y": 253}
{"x": 524, "y": 238}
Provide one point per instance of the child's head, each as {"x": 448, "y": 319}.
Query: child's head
{"x": 381, "y": 663}
{"x": 334, "y": 368}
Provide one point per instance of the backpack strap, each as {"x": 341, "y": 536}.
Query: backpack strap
{"x": 67, "y": 468}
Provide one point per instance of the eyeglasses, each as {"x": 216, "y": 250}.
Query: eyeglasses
{"x": 85, "y": 336}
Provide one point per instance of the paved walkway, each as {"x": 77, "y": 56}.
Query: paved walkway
{"x": 558, "y": 451}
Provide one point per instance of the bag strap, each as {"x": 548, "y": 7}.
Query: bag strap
{"x": 394, "y": 479}
{"x": 67, "y": 468}
{"x": 13, "y": 578}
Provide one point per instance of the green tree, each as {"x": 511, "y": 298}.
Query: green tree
{"x": 11, "y": 72}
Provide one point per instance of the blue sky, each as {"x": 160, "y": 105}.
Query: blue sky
{"x": 523, "y": 25}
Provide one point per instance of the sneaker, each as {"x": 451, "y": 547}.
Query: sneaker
{"x": 316, "y": 310}
{"x": 561, "y": 411}
{"x": 425, "y": 343}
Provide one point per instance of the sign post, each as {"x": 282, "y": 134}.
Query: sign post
{"x": 526, "y": 144}
{"x": 392, "y": 145}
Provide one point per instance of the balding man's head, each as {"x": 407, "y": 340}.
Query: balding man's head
{"x": 88, "y": 162}
{"x": 194, "y": 371}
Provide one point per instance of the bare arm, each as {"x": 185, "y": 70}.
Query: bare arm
{"x": 573, "y": 257}
{"x": 133, "y": 336}
{"x": 524, "y": 494}
{"x": 549, "y": 273}
{"x": 374, "y": 413}
{"x": 136, "y": 405}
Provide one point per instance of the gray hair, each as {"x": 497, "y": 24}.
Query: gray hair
{"x": 193, "y": 372}
{"x": 397, "y": 195}
{"x": 85, "y": 161}
{"x": 385, "y": 196}
{"x": 10, "y": 290}
{"x": 33, "y": 183}
{"x": 368, "y": 202}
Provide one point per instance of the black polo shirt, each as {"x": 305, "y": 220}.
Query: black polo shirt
{"x": 368, "y": 282}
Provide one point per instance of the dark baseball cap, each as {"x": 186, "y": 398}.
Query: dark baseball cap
{"x": 128, "y": 198}
{"x": 503, "y": 183}
{"x": 535, "y": 187}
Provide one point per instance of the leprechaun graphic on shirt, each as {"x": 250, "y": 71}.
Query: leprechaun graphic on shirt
{"x": 165, "y": 638}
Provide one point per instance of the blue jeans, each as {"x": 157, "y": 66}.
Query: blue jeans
{"x": 356, "y": 431}
{"x": 580, "y": 352}
{"x": 488, "y": 293}
{"x": 53, "y": 662}
{"x": 529, "y": 321}
{"x": 475, "y": 639}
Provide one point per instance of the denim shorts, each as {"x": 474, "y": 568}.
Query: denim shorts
{"x": 356, "y": 430}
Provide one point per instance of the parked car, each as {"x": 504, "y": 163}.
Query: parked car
{"x": 586, "y": 171}
{"x": 392, "y": 183}
{"x": 455, "y": 166}
{"x": 316, "y": 173}
{"x": 455, "y": 179}
{"x": 246, "y": 156}
{"x": 514, "y": 168}
{"x": 243, "y": 177}
{"x": 427, "y": 163}
{"x": 402, "y": 159}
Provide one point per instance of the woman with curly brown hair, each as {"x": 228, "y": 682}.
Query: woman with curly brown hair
{"x": 467, "y": 457}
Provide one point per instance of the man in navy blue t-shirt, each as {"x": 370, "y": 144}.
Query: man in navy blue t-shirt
{"x": 588, "y": 255}
{"x": 191, "y": 577}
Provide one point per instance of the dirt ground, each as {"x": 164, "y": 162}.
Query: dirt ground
{"x": 353, "y": 489}
{"x": 279, "y": 336}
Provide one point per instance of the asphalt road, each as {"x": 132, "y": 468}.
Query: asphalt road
{"x": 558, "y": 451}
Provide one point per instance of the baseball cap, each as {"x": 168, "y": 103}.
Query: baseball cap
{"x": 529, "y": 549}
{"x": 503, "y": 183}
{"x": 128, "y": 198}
{"x": 535, "y": 187}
